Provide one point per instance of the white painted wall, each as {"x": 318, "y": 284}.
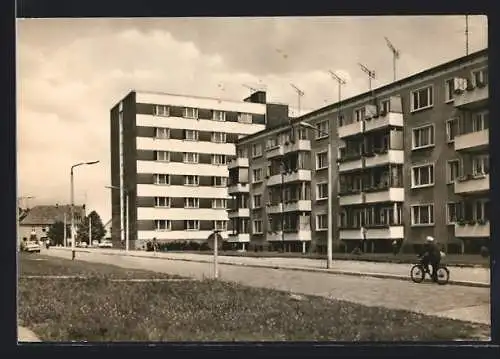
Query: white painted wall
{"x": 177, "y": 235}
{"x": 153, "y": 190}
{"x": 180, "y": 168}
{"x": 181, "y": 214}
{"x": 147, "y": 143}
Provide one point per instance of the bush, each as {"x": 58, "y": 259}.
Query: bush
{"x": 485, "y": 252}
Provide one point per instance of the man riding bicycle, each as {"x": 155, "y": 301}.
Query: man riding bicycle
{"x": 431, "y": 254}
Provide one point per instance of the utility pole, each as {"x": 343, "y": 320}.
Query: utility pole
{"x": 466, "y": 34}
{"x": 65, "y": 242}
{"x": 90, "y": 229}
{"x": 370, "y": 73}
{"x": 300, "y": 93}
{"x": 395, "y": 55}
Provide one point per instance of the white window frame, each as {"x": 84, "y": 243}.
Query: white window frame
{"x": 429, "y": 206}
{"x": 162, "y": 156}
{"x": 162, "y": 133}
{"x": 318, "y": 191}
{"x": 219, "y": 203}
{"x": 190, "y": 112}
{"x": 163, "y": 202}
{"x": 191, "y": 180}
{"x": 161, "y": 110}
{"x": 219, "y": 137}
{"x": 244, "y": 117}
{"x": 187, "y": 157}
{"x": 272, "y": 143}
{"x": 260, "y": 178}
{"x": 194, "y": 222}
{"x": 482, "y": 159}
{"x": 429, "y": 166}
{"x": 194, "y": 135}
{"x": 358, "y": 114}
{"x": 449, "y": 86}
{"x": 431, "y": 98}
{"x": 255, "y": 205}
{"x": 481, "y": 70}
{"x": 319, "y": 221}
{"x": 448, "y": 170}
{"x": 220, "y": 225}
{"x": 413, "y": 138}
{"x": 218, "y": 115}
{"x": 449, "y": 123}
{"x": 385, "y": 105}
{"x": 257, "y": 150}
{"x": 456, "y": 205}
{"x": 219, "y": 160}
{"x": 157, "y": 177}
{"x": 195, "y": 202}
{"x": 320, "y": 131}
{"x": 167, "y": 225}
{"x": 222, "y": 181}
{"x": 318, "y": 162}
{"x": 255, "y": 230}
{"x": 481, "y": 116}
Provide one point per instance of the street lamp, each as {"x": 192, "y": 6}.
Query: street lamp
{"x": 19, "y": 199}
{"x": 127, "y": 234}
{"x": 330, "y": 199}
{"x": 73, "y": 204}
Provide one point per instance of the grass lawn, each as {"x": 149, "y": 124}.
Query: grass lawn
{"x": 98, "y": 309}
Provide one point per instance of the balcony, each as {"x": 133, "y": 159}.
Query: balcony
{"x": 350, "y": 162}
{"x": 238, "y": 237}
{"x": 352, "y": 129}
{"x": 299, "y": 236}
{"x": 471, "y": 99}
{"x": 392, "y": 194}
{"x": 274, "y": 236}
{"x": 297, "y": 176}
{"x": 351, "y": 199}
{"x": 473, "y": 141}
{"x": 274, "y": 208}
{"x": 240, "y": 212}
{"x": 275, "y": 151}
{"x": 298, "y": 206}
{"x": 389, "y": 119}
{"x": 274, "y": 180}
{"x": 383, "y": 158}
{"x": 238, "y": 162}
{"x": 300, "y": 145}
{"x": 381, "y": 232}
{"x": 472, "y": 184}
{"x": 238, "y": 188}
{"x": 472, "y": 230}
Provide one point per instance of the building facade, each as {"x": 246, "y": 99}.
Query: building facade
{"x": 412, "y": 160}
{"x": 169, "y": 162}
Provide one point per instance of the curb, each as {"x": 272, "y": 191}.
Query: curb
{"x": 303, "y": 269}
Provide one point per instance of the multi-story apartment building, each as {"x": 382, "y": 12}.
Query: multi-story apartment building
{"x": 169, "y": 157}
{"x": 412, "y": 161}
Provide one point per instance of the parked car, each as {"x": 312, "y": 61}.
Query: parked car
{"x": 82, "y": 244}
{"x": 106, "y": 244}
{"x": 95, "y": 243}
{"x": 32, "y": 247}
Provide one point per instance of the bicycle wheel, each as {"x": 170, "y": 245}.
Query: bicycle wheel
{"x": 417, "y": 273}
{"x": 443, "y": 275}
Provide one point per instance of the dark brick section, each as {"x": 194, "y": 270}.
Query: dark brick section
{"x": 257, "y": 97}
{"x": 145, "y": 202}
{"x": 276, "y": 115}
{"x": 150, "y": 225}
{"x": 115, "y": 173}
{"x": 176, "y": 202}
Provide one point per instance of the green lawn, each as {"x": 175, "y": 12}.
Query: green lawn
{"x": 99, "y": 309}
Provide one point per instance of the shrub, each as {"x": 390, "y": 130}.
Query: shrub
{"x": 485, "y": 252}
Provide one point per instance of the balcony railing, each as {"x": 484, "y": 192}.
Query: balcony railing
{"x": 238, "y": 188}
{"x": 472, "y": 184}
{"x": 238, "y": 162}
{"x": 380, "y": 157}
{"x": 238, "y": 212}
{"x": 383, "y": 120}
{"x": 351, "y": 129}
{"x": 472, "y": 140}
{"x": 274, "y": 208}
{"x": 275, "y": 151}
{"x": 472, "y": 97}
{"x": 238, "y": 237}
{"x": 472, "y": 228}
{"x": 382, "y": 231}
{"x": 300, "y": 145}
{"x": 297, "y": 175}
{"x": 297, "y": 205}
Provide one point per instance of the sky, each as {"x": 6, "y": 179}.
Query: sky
{"x": 70, "y": 72}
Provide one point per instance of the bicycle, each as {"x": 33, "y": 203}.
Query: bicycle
{"x": 419, "y": 271}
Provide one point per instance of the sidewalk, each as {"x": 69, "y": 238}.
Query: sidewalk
{"x": 472, "y": 277}
{"x": 26, "y": 335}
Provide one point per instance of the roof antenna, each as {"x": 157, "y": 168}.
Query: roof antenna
{"x": 370, "y": 73}
{"x": 395, "y": 56}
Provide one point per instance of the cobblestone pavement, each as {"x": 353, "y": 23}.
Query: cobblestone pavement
{"x": 457, "y": 302}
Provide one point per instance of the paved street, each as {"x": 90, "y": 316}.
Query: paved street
{"x": 458, "y": 302}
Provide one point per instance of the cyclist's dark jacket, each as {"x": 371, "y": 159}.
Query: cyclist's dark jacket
{"x": 432, "y": 250}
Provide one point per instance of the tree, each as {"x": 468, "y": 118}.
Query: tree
{"x": 98, "y": 230}
{"x": 56, "y": 232}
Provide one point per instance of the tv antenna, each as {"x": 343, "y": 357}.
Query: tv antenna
{"x": 300, "y": 93}
{"x": 395, "y": 55}
{"x": 340, "y": 82}
{"x": 370, "y": 73}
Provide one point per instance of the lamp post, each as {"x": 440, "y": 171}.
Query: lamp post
{"x": 330, "y": 198}
{"x": 19, "y": 199}
{"x": 73, "y": 204}
{"x": 127, "y": 227}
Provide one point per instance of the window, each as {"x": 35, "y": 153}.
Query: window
{"x": 321, "y": 160}
{"x": 257, "y": 175}
{"x": 322, "y": 190}
{"x": 422, "y": 98}
{"x": 163, "y": 156}
{"x": 191, "y": 202}
{"x": 192, "y": 225}
{"x": 321, "y": 222}
{"x": 322, "y": 129}
{"x": 219, "y": 181}
{"x": 218, "y": 115}
{"x": 272, "y": 142}
{"x": 422, "y": 176}
{"x": 481, "y": 209}
{"x": 162, "y": 132}
{"x": 423, "y": 137}
{"x": 190, "y": 135}
{"x": 219, "y": 137}
{"x": 191, "y": 180}
{"x": 359, "y": 114}
{"x": 242, "y": 152}
{"x": 385, "y": 106}
{"x": 161, "y": 110}
{"x": 451, "y": 129}
{"x": 163, "y": 225}
{"x": 190, "y": 157}
{"x": 422, "y": 215}
{"x": 190, "y": 112}
{"x": 220, "y": 225}
{"x": 480, "y": 165}
{"x": 257, "y": 226}
{"x": 480, "y": 76}
{"x": 257, "y": 201}
{"x": 302, "y": 133}
{"x": 245, "y": 118}
{"x": 218, "y": 159}
{"x": 452, "y": 171}
{"x": 162, "y": 202}
{"x": 219, "y": 203}
{"x": 256, "y": 150}
{"x": 451, "y": 212}
{"x": 449, "y": 88}
{"x": 480, "y": 121}
{"x": 161, "y": 179}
